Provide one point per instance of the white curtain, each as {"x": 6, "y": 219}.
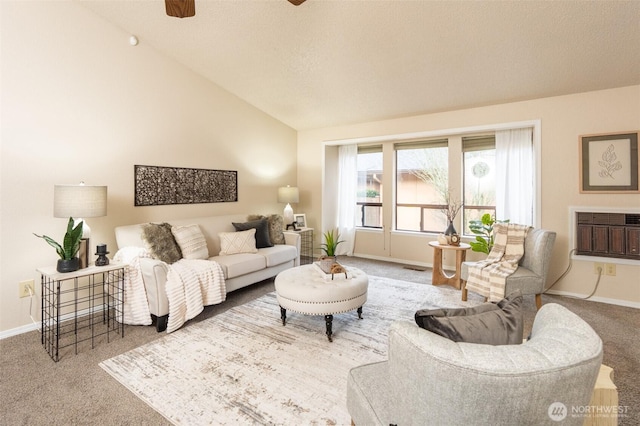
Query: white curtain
{"x": 347, "y": 188}
{"x": 515, "y": 175}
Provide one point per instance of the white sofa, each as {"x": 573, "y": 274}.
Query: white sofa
{"x": 240, "y": 270}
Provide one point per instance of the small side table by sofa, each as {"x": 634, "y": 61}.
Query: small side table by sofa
{"x": 81, "y": 306}
{"x": 306, "y": 245}
{"x": 439, "y": 276}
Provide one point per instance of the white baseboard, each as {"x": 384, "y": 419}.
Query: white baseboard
{"x": 606, "y": 300}
{"x": 18, "y": 330}
{"x": 33, "y": 326}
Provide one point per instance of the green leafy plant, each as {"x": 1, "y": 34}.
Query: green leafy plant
{"x": 331, "y": 241}
{"x": 71, "y": 243}
{"x": 483, "y": 229}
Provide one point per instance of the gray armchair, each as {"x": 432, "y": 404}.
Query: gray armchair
{"x": 531, "y": 275}
{"x": 431, "y": 380}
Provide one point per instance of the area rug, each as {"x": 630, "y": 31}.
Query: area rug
{"x": 244, "y": 367}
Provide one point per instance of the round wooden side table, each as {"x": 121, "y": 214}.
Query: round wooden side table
{"x": 439, "y": 276}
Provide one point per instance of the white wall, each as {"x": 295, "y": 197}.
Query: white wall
{"x": 80, "y": 103}
{"x": 563, "y": 119}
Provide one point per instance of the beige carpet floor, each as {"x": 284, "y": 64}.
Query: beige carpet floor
{"x": 76, "y": 391}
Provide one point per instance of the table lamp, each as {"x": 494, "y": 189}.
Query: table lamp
{"x": 80, "y": 201}
{"x": 288, "y": 194}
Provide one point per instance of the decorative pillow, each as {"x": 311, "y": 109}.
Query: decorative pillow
{"x": 160, "y": 242}
{"x": 275, "y": 223}
{"x": 238, "y": 242}
{"x": 262, "y": 231}
{"x": 191, "y": 241}
{"x": 489, "y": 323}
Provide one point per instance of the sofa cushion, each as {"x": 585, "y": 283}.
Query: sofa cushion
{"x": 262, "y": 231}
{"x": 160, "y": 242}
{"x": 191, "y": 241}
{"x": 275, "y": 223}
{"x": 240, "y": 264}
{"x": 489, "y": 323}
{"x": 278, "y": 254}
{"x": 238, "y": 242}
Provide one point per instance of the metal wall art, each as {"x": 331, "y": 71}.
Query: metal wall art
{"x": 155, "y": 186}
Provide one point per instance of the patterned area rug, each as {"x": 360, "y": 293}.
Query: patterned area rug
{"x": 244, "y": 367}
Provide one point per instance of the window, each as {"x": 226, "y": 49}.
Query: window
{"x": 479, "y": 157}
{"x": 369, "y": 197}
{"x": 422, "y": 182}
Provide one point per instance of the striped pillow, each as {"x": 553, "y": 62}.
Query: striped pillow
{"x": 191, "y": 241}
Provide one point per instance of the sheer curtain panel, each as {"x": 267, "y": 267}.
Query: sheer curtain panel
{"x": 347, "y": 192}
{"x": 515, "y": 175}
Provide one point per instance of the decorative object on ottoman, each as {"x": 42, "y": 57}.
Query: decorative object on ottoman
{"x": 331, "y": 241}
{"x": 490, "y": 323}
{"x": 68, "y": 251}
{"x": 337, "y": 268}
{"x": 101, "y": 252}
{"x": 305, "y": 290}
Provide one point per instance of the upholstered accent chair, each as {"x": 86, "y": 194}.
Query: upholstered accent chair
{"x": 431, "y": 380}
{"x": 531, "y": 275}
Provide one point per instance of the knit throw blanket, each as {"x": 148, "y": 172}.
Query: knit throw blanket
{"x": 488, "y": 277}
{"x": 191, "y": 285}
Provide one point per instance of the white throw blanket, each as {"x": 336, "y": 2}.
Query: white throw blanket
{"x": 191, "y": 285}
{"x": 488, "y": 277}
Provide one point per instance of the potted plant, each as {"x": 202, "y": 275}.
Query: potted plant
{"x": 68, "y": 251}
{"x": 331, "y": 241}
{"x": 483, "y": 229}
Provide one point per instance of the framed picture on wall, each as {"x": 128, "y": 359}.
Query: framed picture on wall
{"x": 609, "y": 163}
{"x": 300, "y": 219}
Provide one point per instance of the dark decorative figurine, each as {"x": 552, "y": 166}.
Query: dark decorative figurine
{"x": 101, "y": 251}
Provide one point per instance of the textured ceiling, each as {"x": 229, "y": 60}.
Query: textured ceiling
{"x": 328, "y": 63}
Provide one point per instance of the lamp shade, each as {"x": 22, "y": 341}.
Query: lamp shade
{"x": 288, "y": 194}
{"x": 79, "y": 201}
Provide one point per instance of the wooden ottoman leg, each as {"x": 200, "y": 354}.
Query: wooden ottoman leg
{"x": 283, "y": 315}
{"x": 328, "y": 319}
{"x": 360, "y": 312}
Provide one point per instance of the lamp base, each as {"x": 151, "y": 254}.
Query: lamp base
{"x": 83, "y": 253}
{"x": 288, "y": 214}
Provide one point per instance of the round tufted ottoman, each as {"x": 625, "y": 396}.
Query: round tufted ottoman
{"x": 306, "y": 290}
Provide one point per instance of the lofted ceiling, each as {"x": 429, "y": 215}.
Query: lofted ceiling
{"x": 329, "y": 62}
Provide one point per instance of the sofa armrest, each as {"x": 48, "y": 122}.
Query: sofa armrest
{"x": 293, "y": 239}
{"x": 154, "y": 276}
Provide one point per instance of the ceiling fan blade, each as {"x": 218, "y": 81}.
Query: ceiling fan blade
{"x": 296, "y": 2}
{"x": 180, "y": 8}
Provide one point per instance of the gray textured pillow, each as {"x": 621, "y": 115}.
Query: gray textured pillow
{"x": 489, "y": 323}
{"x": 275, "y": 223}
{"x": 160, "y": 242}
{"x": 262, "y": 231}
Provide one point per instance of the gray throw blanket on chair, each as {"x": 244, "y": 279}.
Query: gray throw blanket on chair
{"x": 488, "y": 277}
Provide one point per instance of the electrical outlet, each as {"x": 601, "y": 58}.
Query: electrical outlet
{"x": 610, "y": 269}
{"x": 24, "y": 286}
{"x": 598, "y": 268}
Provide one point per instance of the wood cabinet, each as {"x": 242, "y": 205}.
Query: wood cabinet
{"x": 608, "y": 234}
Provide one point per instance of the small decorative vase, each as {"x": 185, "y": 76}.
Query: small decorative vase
{"x": 450, "y": 229}
{"x": 68, "y": 265}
